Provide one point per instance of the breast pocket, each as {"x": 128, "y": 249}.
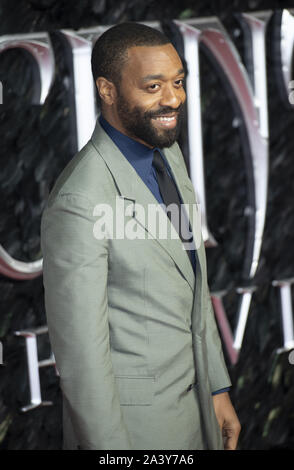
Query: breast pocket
{"x": 135, "y": 390}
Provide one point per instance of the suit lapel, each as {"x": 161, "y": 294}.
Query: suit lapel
{"x": 131, "y": 187}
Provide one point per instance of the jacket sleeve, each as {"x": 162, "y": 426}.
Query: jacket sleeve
{"x": 75, "y": 267}
{"x": 217, "y": 371}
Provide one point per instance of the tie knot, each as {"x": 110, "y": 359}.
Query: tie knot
{"x": 158, "y": 161}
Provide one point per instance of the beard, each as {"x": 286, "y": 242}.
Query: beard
{"x": 139, "y": 124}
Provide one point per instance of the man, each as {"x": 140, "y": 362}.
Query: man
{"x": 130, "y": 318}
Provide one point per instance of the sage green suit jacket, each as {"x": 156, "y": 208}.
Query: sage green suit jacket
{"x": 131, "y": 327}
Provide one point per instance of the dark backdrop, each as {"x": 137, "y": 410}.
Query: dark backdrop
{"x": 36, "y": 145}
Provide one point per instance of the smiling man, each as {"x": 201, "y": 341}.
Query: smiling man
{"x": 130, "y": 319}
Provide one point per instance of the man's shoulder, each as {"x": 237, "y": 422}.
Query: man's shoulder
{"x": 83, "y": 174}
{"x": 175, "y": 153}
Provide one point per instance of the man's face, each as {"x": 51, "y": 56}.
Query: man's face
{"x": 149, "y": 104}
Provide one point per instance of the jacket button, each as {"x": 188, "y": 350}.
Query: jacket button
{"x": 190, "y": 387}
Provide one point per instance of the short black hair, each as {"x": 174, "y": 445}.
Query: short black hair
{"x": 110, "y": 50}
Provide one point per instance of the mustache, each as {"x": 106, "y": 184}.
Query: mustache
{"x": 164, "y": 110}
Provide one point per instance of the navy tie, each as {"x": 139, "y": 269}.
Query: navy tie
{"x": 170, "y": 195}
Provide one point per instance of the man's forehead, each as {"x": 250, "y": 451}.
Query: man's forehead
{"x": 153, "y": 60}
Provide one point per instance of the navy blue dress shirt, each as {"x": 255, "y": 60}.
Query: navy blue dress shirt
{"x": 140, "y": 157}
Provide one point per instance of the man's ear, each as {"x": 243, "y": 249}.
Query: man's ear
{"x": 106, "y": 90}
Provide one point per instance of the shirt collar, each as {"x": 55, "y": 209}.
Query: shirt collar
{"x": 139, "y": 155}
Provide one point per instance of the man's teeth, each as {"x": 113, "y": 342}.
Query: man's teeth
{"x": 166, "y": 118}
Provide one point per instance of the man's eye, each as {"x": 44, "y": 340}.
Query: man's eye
{"x": 180, "y": 82}
{"x": 153, "y": 86}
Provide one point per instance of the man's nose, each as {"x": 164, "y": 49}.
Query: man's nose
{"x": 171, "y": 97}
